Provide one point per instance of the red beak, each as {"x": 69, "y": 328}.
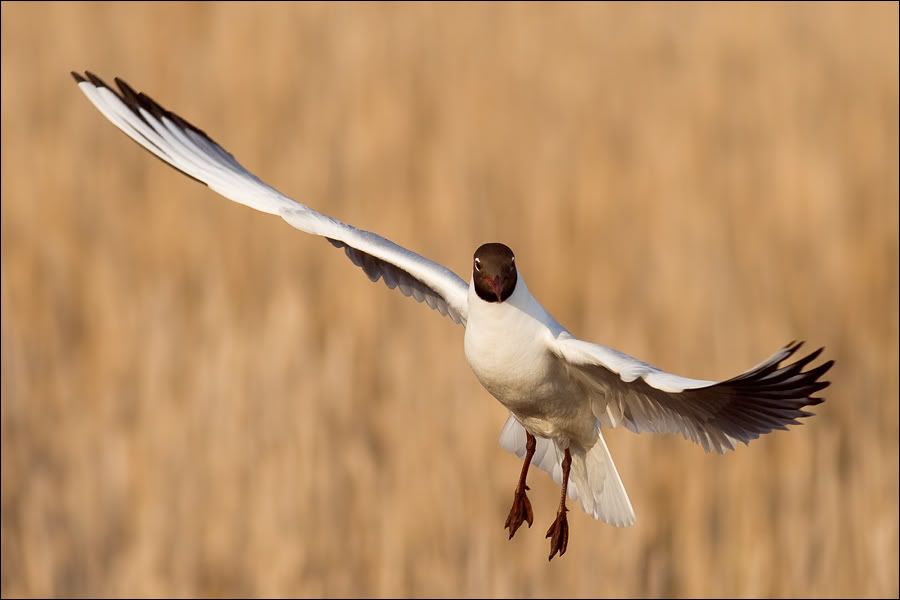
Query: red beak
{"x": 496, "y": 287}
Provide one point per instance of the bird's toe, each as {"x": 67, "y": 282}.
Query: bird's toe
{"x": 519, "y": 513}
{"x": 559, "y": 535}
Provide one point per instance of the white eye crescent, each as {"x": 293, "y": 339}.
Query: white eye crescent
{"x": 477, "y": 265}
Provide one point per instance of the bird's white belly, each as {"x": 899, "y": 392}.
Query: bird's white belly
{"x": 508, "y": 348}
{"x": 511, "y": 366}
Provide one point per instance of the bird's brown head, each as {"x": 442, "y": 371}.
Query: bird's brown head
{"x": 494, "y": 272}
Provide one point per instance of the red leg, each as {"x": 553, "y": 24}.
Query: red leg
{"x": 521, "y": 507}
{"x": 559, "y": 530}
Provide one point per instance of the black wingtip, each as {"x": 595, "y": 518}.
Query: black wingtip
{"x": 130, "y": 97}
{"x": 127, "y": 91}
{"x": 150, "y": 105}
{"x": 794, "y": 346}
{"x": 812, "y": 356}
{"x": 96, "y": 80}
{"x": 78, "y": 78}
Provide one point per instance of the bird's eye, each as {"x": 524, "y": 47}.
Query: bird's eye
{"x": 477, "y": 265}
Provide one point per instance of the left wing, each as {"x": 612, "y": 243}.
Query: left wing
{"x": 624, "y": 390}
{"x": 185, "y": 147}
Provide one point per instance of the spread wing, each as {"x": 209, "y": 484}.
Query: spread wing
{"x": 185, "y": 147}
{"x": 624, "y": 390}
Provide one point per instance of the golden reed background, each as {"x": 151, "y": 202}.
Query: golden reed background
{"x": 198, "y": 399}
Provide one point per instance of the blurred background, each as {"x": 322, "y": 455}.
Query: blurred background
{"x": 200, "y": 400}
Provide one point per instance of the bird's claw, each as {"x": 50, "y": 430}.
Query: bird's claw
{"x": 559, "y": 535}
{"x": 520, "y": 512}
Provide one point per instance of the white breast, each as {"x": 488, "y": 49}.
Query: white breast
{"x": 507, "y": 345}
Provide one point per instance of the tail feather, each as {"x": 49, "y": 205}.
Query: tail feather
{"x": 600, "y": 489}
{"x": 593, "y": 479}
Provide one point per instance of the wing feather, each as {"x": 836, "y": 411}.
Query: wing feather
{"x": 629, "y": 392}
{"x": 190, "y": 150}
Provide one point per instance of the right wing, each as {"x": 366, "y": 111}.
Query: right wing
{"x": 185, "y": 147}
{"x": 715, "y": 415}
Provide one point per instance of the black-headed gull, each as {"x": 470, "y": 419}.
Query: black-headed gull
{"x": 560, "y": 391}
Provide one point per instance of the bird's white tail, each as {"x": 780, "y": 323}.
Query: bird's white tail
{"x": 600, "y": 489}
{"x": 593, "y": 478}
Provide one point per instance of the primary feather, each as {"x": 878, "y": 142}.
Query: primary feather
{"x": 190, "y": 150}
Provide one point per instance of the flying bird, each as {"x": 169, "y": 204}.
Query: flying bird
{"x": 560, "y": 391}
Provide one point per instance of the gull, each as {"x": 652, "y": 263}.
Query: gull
{"x": 560, "y": 391}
